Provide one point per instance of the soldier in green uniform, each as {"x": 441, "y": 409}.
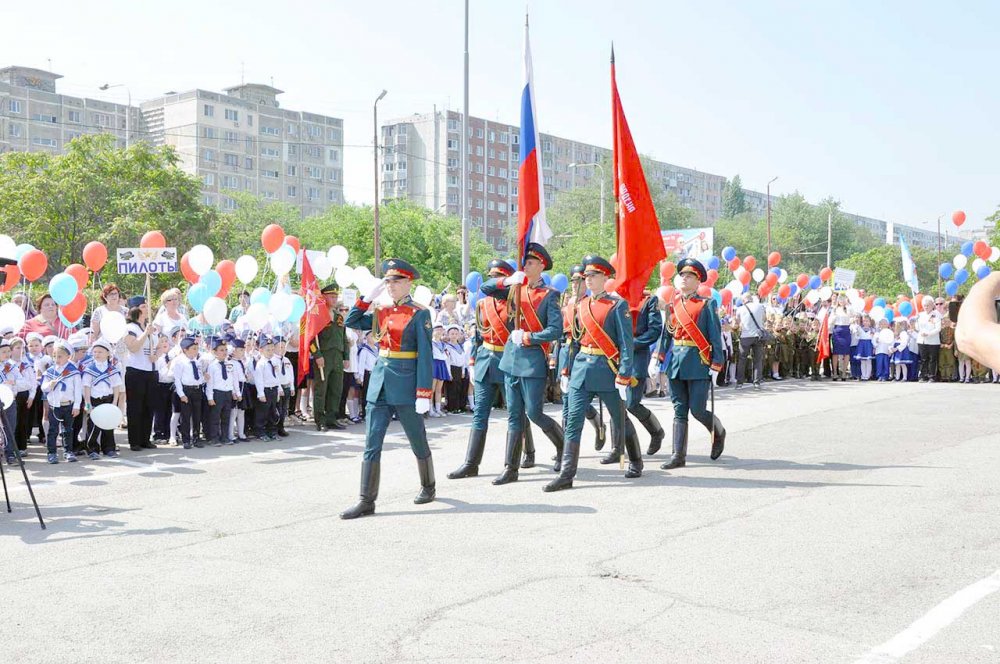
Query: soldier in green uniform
{"x": 807, "y": 346}
{"x": 330, "y": 355}
{"x": 786, "y": 349}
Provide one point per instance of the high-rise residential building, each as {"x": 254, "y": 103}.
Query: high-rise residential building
{"x": 421, "y": 163}
{"x": 243, "y": 141}
{"x": 35, "y": 117}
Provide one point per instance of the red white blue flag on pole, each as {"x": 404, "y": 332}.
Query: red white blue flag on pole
{"x": 531, "y": 224}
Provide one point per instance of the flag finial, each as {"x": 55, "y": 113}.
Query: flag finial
{"x": 612, "y": 52}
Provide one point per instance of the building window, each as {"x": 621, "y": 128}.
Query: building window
{"x": 314, "y": 151}
{"x": 502, "y": 207}
{"x": 269, "y": 174}
{"x": 334, "y": 155}
{"x": 209, "y": 132}
{"x": 269, "y": 195}
{"x": 479, "y": 168}
{"x": 452, "y": 163}
{"x": 452, "y": 144}
{"x": 208, "y": 155}
{"x": 15, "y": 130}
{"x": 504, "y": 137}
{"x": 209, "y": 179}
{"x": 269, "y": 152}
{"x": 479, "y": 185}
{"x": 503, "y": 173}
{"x": 232, "y": 114}
{"x": 333, "y": 175}
{"x": 452, "y": 180}
{"x": 332, "y": 134}
{"x": 293, "y": 150}
{"x": 292, "y": 129}
{"x": 47, "y": 142}
{"x": 291, "y": 172}
{"x": 228, "y": 203}
{"x": 249, "y": 120}
{"x": 250, "y": 146}
{"x": 479, "y": 204}
{"x": 231, "y": 136}
{"x": 479, "y": 150}
{"x": 491, "y": 205}
{"x": 332, "y": 195}
{"x": 74, "y": 116}
{"x": 209, "y": 111}
{"x": 38, "y": 117}
{"x": 313, "y": 193}
{"x": 401, "y": 184}
{"x": 15, "y": 105}
{"x": 230, "y": 160}
{"x": 292, "y": 191}
{"x": 248, "y": 163}
{"x": 491, "y": 188}
{"x": 502, "y": 190}
{"x": 315, "y": 131}
{"x": 479, "y": 132}
{"x": 271, "y": 131}
{"x": 491, "y": 171}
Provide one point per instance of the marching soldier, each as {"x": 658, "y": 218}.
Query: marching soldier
{"x": 534, "y": 311}
{"x": 401, "y": 381}
{"x": 603, "y": 367}
{"x": 567, "y": 352}
{"x": 695, "y": 362}
{"x": 492, "y": 332}
{"x": 331, "y": 354}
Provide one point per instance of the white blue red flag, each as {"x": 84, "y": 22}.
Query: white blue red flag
{"x": 531, "y": 224}
{"x": 909, "y": 270}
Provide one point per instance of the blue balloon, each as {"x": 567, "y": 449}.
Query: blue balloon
{"x": 961, "y": 276}
{"x": 905, "y": 309}
{"x": 197, "y": 296}
{"x": 983, "y": 272}
{"x": 793, "y": 289}
{"x": 212, "y": 281}
{"x": 546, "y": 278}
{"x": 512, "y": 263}
{"x": 775, "y": 270}
{"x": 728, "y": 254}
{"x": 815, "y": 281}
{"x": 560, "y": 282}
{"x": 879, "y": 302}
{"x": 298, "y": 308}
{"x": 713, "y": 263}
{"x": 21, "y": 250}
{"x": 474, "y": 281}
{"x": 737, "y": 301}
{"x": 946, "y": 270}
{"x": 967, "y": 248}
{"x": 746, "y": 288}
{"x": 951, "y": 288}
{"x": 717, "y": 298}
{"x": 63, "y": 288}
{"x": 260, "y": 295}
{"x": 474, "y": 298}
{"x": 889, "y": 315}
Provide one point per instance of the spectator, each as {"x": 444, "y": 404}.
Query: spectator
{"x": 751, "y": 315}
{"x": 929, "y": 337}
{"x": 47, "y": 322}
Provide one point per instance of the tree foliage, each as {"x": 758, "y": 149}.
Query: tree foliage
{"x": 734, "y": 202}
{"x": 880, "y": 270}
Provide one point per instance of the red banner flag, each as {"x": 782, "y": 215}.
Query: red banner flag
{"x": 640, "y": 245}
{"x": 823, "y": 342}
{"x": 317, "y": 316}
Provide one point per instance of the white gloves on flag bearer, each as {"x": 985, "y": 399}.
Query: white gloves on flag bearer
{"x": 517, "y": 279}
{"x": 622, "y": 383}
{"x": 517, "y": 337}
{"x": 564, "y": 384}
{"x": 422, "y": 405}
{"x": 375, "y": 291}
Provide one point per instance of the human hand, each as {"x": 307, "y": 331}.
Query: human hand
{"x": 564, "y": 384}
{"x": 375, "y": 291}
{"x": 516, "y": 279}
{"x": 422, "y": 405}
{"x": 623, "y": 392}
{"x": 211, "y": 402}
{"x": 320, "y": 362}
{"x": 517, "y": 337}
{"x": 76, "y": 411}
{"x": 262, "y": 399}
{"x": 184, "y": 399}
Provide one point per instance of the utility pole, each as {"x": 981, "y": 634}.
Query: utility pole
{"x": 378, "y": 245}
{"x": 829, "y": 237}
{"x": 939, "y": 290}
{"x": 769, "y": 214}
{"x": 465, "y": 156}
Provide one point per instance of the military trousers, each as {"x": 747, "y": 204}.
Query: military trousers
{"x": 377, "y": 423}
{"x": 525, "y": 396}
{"x": 691, "y": 396}
{"x": 326, "y": 393}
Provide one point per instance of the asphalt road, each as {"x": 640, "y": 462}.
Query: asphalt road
{"x": 844, "y": 523}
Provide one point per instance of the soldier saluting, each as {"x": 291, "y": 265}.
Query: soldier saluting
{"x": 696, "y": 360}
{"x": 401, "y": 381}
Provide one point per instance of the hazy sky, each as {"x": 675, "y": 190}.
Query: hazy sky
{"x": 890, "y": 106}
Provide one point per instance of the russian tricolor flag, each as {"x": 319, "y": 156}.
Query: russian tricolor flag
{"x": 531, "y": 224}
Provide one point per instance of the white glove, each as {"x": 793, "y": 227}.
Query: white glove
{"x": 564, "y": 384}
{"x": 623, "y": 392}
{"x": 517, "y": 336}
{"x": 423, "y": 405}
{"x": 375, "y": 291}
{"x": 515, "y": 279}
{"x": 714, "y": 374}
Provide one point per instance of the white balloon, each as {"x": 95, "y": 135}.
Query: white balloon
{"x": 322, "y": 268}
{"x": 825, "y": 293}
{"x": 344, "y": 276}
{"x": 113, "y": 326}
{"x": 858, "y": 305}
{"x": 338, "y": 256}
{"x": 8, "y": 248}
{"x": 885, "y": 336}
{"x": 758, "y": 275}
{"x": 107, "y": 416}
{"x": 735, "y": 287}
{"x": 782, "y": 276}
{"x": 960, "y": 261}
{"x": 12, "y": 316}
{"x": 877, "y": 314}
{"x": 6, "y": 395}
{"x": 423, "y": 295}
{"x": 978, "y": 263}
{"x": 201, "y": 259}
{"x": 994, "y": 254}
{"x": 283, "y": 260}
{"x": 280, "y": 305}
{"x": 215, "y": 311}
{"x": 256, "y": 316}
{"x": 812, "y": 296}
{"x": 853, "y": 294}
{"x": 246, "y": 269}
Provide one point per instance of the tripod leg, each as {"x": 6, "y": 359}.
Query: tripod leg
{"x": 3, "y": 477}
{"x": 27, "y": 482}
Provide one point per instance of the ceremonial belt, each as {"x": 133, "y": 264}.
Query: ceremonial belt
{"x": 497, "y": 324}
{"x": 597, "y": 333}
{"x": 531, "y": 321}
{"x": 398, "y": 354}
{"x": 684, "y": 342}
{"x": 493, "y": 347}
{"x": 693, "y": 331}
{"x": 592, "y": 350}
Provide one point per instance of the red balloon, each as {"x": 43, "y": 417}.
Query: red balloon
{"x": 771, "y": 279}
{"x": 744, "y": 277}
{"x": 665, "y": 293}
{"x": 825, "y": 274}
{"x": 763, "y": 290}
{"x": 151, "y": 240}
{"x": 79, "y": 273}
{"x": 33, "y": 264}
{"x": 727, "y": 297}
{"x": 11, "y": 276}
{"x": 773, "y": 258}
{"x": 186, "y": 270}
{"x": 610, "y": 285}
{"x": 749, "y": 263}
{"x": 958, "y": 217}
{"x": 75, "y": 309}
{"x": 733, "y": 264}
{"x": 785, "y": 290}
{"x": 95, "y": 255}
{"x": 713, "y": 276}
{"x": 802, "y": 280}
{"x": 869, "y": 302}
{"x": 704, "y": 291}
{"x": 667, "y": 270}
{"x": 272, "y": 238}
{"x": 982, "y": 250}
{"x": 226, "y": 270}
{"x": 293, "y": 242}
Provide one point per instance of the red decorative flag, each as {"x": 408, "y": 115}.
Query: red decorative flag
{"x": 823, "y": 342}
{"x": 640, "y": 245}
{"x": 317, "y": 316}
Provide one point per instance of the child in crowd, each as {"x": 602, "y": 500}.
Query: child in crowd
{"x": 367, "y": 357}
{"x": 63, "y": 390}
{"x": 946, "y": 354}
{"x": 26, "y": 389}
{"x": 101, "y": 383}
{"x": 163, "y": 406}
{"x": 864, "y": 352}
{"x": 222, "y": 390}
{"x": 442, "y": 372}
{"x": 884, "y": 341}
{"x": 901, "y": 351}
{"x": 458, "y": 362}
{"x": 285, "y": 383}
{"x": 855, "y": 361}
{"x": 266, "y": 382}
{"x": 10, "y": 374}
{"x": 188, "y": 395}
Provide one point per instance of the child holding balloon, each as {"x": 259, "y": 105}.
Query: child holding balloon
{"x": 63, "y": 390}
{"x": 101, "y": 383}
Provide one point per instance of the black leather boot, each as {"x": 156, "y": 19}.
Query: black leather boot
{"x": 656, "y": 433}
{"x": 568, "y": 472}
{"x": 600, "y": 429}
{"x": 634, "y": 453}
{"x": 427, "y": 485}
{"x": 512, "y": 455}
{"x": 473, "y": 456}
{"x": 369, "y": 491}
{"x": 615, "y": 454}
{"x": 529, "y": 448}
{"x": 555, "y": 434}
{"x": 719, "y": 442}
{"x": 680, "y": 445}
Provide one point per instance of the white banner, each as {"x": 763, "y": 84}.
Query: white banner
{"x": 147, "y": 261}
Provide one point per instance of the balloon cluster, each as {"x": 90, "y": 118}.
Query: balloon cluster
{"x": 960, "y": 268}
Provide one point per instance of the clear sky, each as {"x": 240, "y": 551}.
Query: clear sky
{"x": 889, "y": 106}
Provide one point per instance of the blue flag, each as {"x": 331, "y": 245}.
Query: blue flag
{"x": 909, "y": 269}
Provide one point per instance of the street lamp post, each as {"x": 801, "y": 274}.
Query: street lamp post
{"x": 128, "y": 109}
{"x": 378, "y": 246}
{"x": 769, "y": 214}
{"x": 600, "y": 240}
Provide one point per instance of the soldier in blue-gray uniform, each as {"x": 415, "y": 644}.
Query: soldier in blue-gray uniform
{"x": 602, "y": 368}
{"x": 695, "y": 361}
{"x": 536, "y": 322}
{"x": 492, "y": 332}
{"x": 400, "y": 383}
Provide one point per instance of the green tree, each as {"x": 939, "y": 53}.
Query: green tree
{"x": 734, "y": 202}
{"x": 880, "y": 270}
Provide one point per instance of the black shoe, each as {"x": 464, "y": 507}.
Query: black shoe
{"x": 719, "y": 442}
{"x": 634, "y": 453}
{"x": 337, "y": 427}
{"x": 199, "y": 444}
{"x": 427, "y": 485}
{"x": 284, "y": 434}
{"x": 615, "y": 455}
{"x": 528, "y": 461}
{"x": 322, "y": 427}
{"x": 679, "y": 457}
{"x": 149, "y": 446}
{"x": 512, "y": 454}
{"x": 369, "y": 492}
{"x": 473, "y": 457}
{"x": 656, "y": 433}
{"x": 558, "y": 484}
{"x": 135, "y": 448}
{"x": 529, "y": 447}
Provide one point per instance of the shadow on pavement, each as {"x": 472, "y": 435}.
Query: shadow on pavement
{"x": 73, "y": 522}
{"x": 460, "y": 506}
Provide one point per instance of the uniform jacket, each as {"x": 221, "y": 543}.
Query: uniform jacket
{"x": 685, "y": 361}
{"x": 331, "y": 344}
{"x": 530, "y": 361}
{"x": 593, "y": 372}
{"x": 647, "y": 327}
{"x": 487, "y": 362}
